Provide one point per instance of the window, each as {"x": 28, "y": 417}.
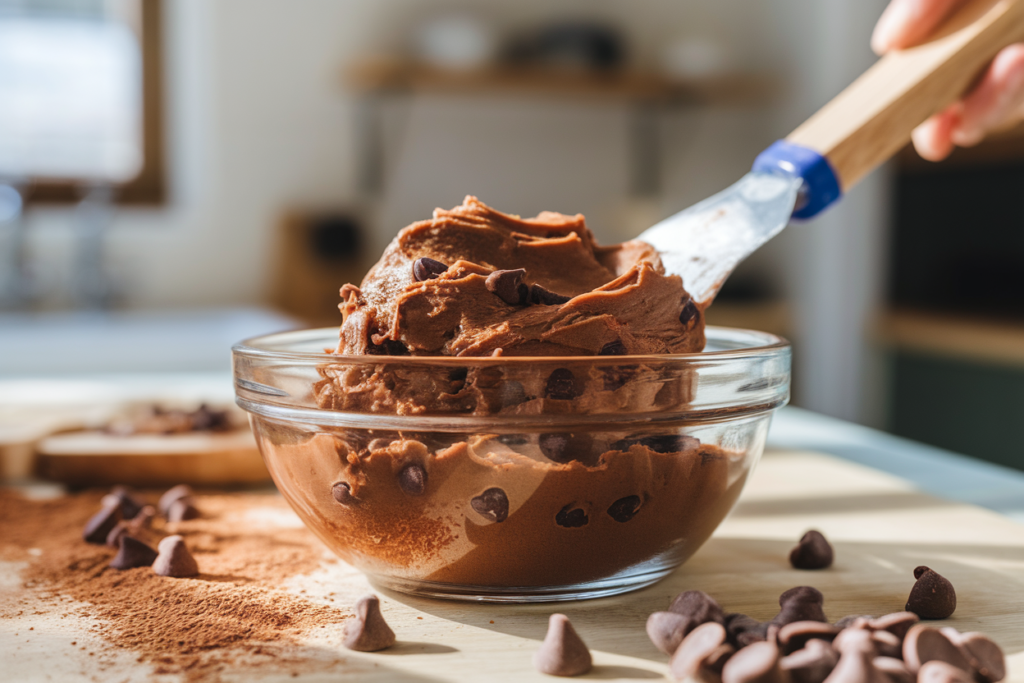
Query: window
{"x": 81, "y": 91}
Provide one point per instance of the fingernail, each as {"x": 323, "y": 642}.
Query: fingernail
{"x": 894, "y": 20}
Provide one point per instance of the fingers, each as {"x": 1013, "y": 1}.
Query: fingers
{"x": 905, "y": 23}
{"x": 997, "y": 100}
{"x": 933, "y": 138}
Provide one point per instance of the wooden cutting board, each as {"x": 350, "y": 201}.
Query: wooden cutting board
{"x": 881, "y": 527}
{"x": 95, "y": 458}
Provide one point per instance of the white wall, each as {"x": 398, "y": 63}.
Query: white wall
{"x": 835, "y": 265}
{"x": 259, "y": 120}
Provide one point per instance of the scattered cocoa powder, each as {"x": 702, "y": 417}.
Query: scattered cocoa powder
{"x": 234, "y": 614}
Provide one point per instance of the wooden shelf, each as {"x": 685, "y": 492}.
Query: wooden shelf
{"x": 383, "y": 75}
{"x": 971, "y": 339}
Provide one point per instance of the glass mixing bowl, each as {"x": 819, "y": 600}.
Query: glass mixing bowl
{"x": 510, "y": 478}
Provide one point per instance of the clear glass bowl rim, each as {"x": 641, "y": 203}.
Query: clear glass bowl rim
{"x": 760, "y": 343}
{"x": 732, "y": 365}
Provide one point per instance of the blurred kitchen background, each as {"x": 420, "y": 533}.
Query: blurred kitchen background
{"x": 176, "y": 175}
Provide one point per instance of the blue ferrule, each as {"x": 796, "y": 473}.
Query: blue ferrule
{"x": 821, "y": 185}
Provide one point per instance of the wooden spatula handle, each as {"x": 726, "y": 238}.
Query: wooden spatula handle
{"x": 872, "y": 119}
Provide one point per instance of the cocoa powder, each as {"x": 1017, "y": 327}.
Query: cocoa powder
{"x": 233, "y": 615}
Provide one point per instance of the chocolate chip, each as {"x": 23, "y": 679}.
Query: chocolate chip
{"x": 686, "y": 612}
{"x": 563, "y": 447}
{"x": 171, "y": 495}
{"x": 561, "y": 385}
{"x": 99, "y": 525}
{"x": 698, "y": 606}
{"x": 130, "y": 505}
{"x": 342, "y": 492}
{"x": 544, "y": 297}
{"x": 886, "y": 644}
{"x": 132, "y": 553}
{"x": 932, "y": 597}
{"x": 659, "y": 443}
{"x": 563, "y": 652}
{"x": 743, "y": 630}
{"x": 714, "y": 663}
{"x": 688, "y": 313}
{"x": 182, "y": 510}
{"x": 811, "y": 663}
{"x": 508, "y": 286}
{"x": 368, "y": 632}
{"x": 941, "y": 672}
{"x": 554, "y": 446}
{"x": 757, "y": 663}
{"x": 854, "y": 621}
{"x": 985, "y": 657}
{"x": 144, "y": 518}
{"x": 413, "y": 479}
{"x": 802, "y": 603}
{"x": 613, "y": 348}
{"x": 513, "y": 393}
{"x": 925, "y": 644}
{"x": 393, "y": 347}
{"x": 142, "y": 521}
{"x": 427, "y": 269}
{"x": 813, "y": 552}
{"x": 855, "y": 640}
{"x": 894, "y": 669}
{"x": 205, "y": 418}
{"x": 667, "y": 629}
{"x": 114, "y": 537}
{"x": 492, "y": 504}
{"x": 699, "y": 653}
{"x": 571, "y": 517}
{"x": 897, "y": 623}
{"x": 856, "y": 659}
{"x": 174, "y": 559}
{"x": 624, "y": 509}
{"x": 795, "y": 636}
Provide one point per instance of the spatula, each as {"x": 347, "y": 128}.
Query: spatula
{"x": 862, "y": 127}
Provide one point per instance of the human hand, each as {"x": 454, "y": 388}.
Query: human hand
{"x": 997, "y": 101}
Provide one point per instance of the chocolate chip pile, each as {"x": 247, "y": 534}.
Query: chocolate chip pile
{"x": 156, "y": 419}
{"x": 234, "y": 615}
{"x": 800, "y": 645}
{"x": 123, "y": 520}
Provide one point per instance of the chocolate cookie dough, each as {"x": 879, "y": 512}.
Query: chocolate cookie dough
{"x": 546, "y": 505}
{"x": 493, "y": 514}
{"x": 473, "y": 281}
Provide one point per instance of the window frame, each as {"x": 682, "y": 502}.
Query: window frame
{"x": 149, "y": 187}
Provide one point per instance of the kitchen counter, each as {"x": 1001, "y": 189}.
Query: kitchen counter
{"x": 887, "y": 504}
{"x": 933, "y": 470}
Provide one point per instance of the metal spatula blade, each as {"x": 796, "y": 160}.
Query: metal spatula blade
{"x": 704, "y": 243}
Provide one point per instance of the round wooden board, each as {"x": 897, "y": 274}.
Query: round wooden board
{"x": 94, "y": 458}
